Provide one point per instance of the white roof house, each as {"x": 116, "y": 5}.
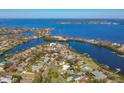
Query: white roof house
{"x": 86, "y": 68}
{"x": 52, "y": 44}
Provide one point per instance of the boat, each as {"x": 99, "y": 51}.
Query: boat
{"x": 118, "y": 69}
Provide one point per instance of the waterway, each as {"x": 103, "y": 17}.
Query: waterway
{"x": 113, "y": 33}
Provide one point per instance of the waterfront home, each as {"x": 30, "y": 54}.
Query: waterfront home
{"x": 99, "y": 75}
{"x": 52, "y": 44}
{"x": 116, "y": 44}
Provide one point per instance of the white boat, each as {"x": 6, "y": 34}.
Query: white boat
{"x": 118, "y": 69}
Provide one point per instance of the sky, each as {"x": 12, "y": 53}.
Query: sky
{"x": 61, "y": 13}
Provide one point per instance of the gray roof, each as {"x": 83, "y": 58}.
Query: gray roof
{"x": 99, "y": 75}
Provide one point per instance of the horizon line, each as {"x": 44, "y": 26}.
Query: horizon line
{"x": 61, "y": 18}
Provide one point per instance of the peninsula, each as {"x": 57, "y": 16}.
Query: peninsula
{"x": 52, "y": 61}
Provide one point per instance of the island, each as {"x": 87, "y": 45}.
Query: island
{"x": 89, "y": 22}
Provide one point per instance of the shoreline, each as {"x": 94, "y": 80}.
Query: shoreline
{"x": 49, "y": 37}
{"x": 87, "y": 62}
{"x": 114, "y": 47}
{"x": 38, "y": 34}
{"x": 102, "y": 66}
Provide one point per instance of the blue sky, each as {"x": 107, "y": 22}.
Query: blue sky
{"x": 61, "y": 13}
